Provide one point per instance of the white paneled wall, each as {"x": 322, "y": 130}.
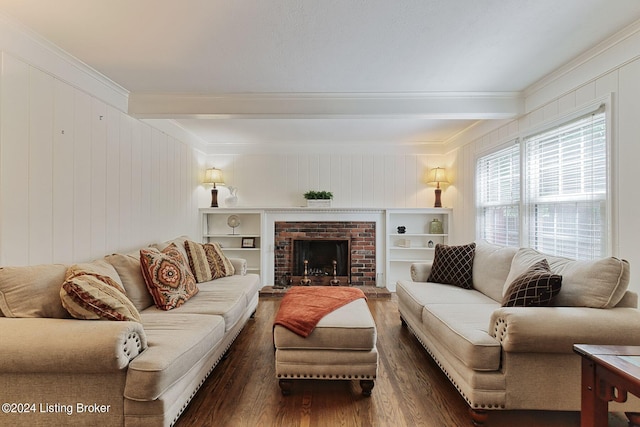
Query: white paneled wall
{"x": 80, "y": 179}
{"x": 356, "y": 180}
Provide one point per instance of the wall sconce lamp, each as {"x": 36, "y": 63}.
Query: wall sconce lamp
{"x": 213, "y": 176}
{"x": 437, "y": 176}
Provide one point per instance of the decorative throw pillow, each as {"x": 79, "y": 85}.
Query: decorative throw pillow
{"x": 453, "y": 265}
{"x": 208, "y": 261}
{"x": 536, "y": 287}
{"x": 87, "y": 294}
{"x": 167, "y": 276}
{"x": 130, "y": 273}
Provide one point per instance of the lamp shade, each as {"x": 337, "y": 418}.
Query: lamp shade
{"x": 436, "y": 176}
{"x": 213, "y": 176}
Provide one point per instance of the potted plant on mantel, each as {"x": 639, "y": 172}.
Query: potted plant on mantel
{"x": 318, "y": 199}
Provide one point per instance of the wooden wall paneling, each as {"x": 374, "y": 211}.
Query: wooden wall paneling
{"x": 607, "y": 84}
{"x": 146, "y": 172}
{"x": 314, "y": 171}
{"x": 113, "y": 180}
{"x": 291, "y": 184}
{"x": 357, "y": 183}
{"x": 137, "y": 219}
{"x": 389, "y": 182}
{"x": 14, "y": 170}
{"x": 40, "y": 219}
{"x": 336, "y": 165}
{"x": 551, "y": 110}
{"x": 567, "y": 102}
{"x": 368, "y": 183}
{"x": 63, "y": 172}
{"x": 324, "y": 171}
{"x": 169, "y": 189}
{"x": 628, "y": 159}
{"x": 83, "y": 120}
{"x": 399, "y": 181}
{"x": 125, "y": 167}
{"x": 412, "y": 181}
{"x": 585, "y": 93}
{"x": 155, "y": 186}
{"x": 98, "y": 179}
{"x": 345, "y": 183}
{"x": 378, "y": 181}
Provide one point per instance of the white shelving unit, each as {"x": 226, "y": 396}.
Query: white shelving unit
{"x": 416, "y": 244}
{"x": 215, "y": 229}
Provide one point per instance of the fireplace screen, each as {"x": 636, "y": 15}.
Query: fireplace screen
{"x": 320, "y": 254}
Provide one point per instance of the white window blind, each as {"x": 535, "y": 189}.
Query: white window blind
{"x": 565, "y": 181}
{"x": 498, "y": 196}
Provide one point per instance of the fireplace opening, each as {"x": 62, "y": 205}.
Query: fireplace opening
{"x": 352, "y": 245}
{"x": 320, "y": 255}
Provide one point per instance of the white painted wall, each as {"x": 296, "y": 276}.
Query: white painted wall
{"x": 80, "y": 179}
{"x": 613, "y": 72}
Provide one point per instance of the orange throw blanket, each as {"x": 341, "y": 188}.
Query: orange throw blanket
{"x": 302, "y": 307}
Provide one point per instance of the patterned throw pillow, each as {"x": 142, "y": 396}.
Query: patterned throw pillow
{"x": 452, "y": 265}
{"x": 167, "y": 276}
{"x": 86, "y": 294}
{"x": 207, "y": 261}
{"x": 536, "y": 287}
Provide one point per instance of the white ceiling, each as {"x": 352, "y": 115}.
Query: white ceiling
{"x": 218, "y": 49}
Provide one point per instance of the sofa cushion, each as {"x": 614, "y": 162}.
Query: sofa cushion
{"x": 88, "y": 293}
{"x": 128, "y": 268}
{"x": 230, "y": 302}
{"x": 32, "y": 291}
{"x": 463, "y": 329}
{"x": 207, "y": 261}
{"x": 536, "y": 287}
{"x": 598, "y": 283}
{"x": 167, "y": 277}
{"x": 413, "y": 296}
{"x": 176, "y": 344}
{"x": 491, "y": 265}
{"x": 453, "y": 265}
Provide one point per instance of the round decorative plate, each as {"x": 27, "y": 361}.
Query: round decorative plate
{"x": 233, "y": 221}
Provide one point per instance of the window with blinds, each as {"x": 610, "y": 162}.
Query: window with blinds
{"x": 565, "y": 189}
{"x": 498, "y": 196}
{"x": 564, "y": 206}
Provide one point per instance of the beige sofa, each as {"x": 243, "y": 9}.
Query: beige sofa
{"x": 519, "y": 357}
{"x": 56, "y": 370}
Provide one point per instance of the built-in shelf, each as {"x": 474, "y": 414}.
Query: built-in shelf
{"x": 215, "y": 228}
{"x": 395, "y": 251}
{"x": 417, "y": 243}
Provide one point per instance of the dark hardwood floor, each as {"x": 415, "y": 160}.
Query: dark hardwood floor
{"x": 410, "y": 389}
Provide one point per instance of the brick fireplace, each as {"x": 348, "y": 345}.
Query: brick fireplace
{"x": 361, "y": 257}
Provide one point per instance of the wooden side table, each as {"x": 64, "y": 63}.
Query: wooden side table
{"x": 609, "y": 372}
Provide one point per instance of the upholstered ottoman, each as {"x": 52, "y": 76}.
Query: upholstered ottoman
{"x": 341, "y": 347}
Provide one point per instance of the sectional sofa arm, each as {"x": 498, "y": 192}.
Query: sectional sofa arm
{"x": 556, "y": 329}
{"x": 38, "y": 345}
{"x": 420, "y": 271}
{"x": 239, "y": 265}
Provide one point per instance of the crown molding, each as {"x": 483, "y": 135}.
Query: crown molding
{"x": 588, "y": 56}
{"x": 25, "y": 44}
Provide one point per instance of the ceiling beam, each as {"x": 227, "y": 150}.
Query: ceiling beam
{"x": 436, "y": 105}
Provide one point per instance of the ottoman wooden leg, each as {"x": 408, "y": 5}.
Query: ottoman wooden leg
{"x": 285, "y": 387}
{"x": 367, "y": 386}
